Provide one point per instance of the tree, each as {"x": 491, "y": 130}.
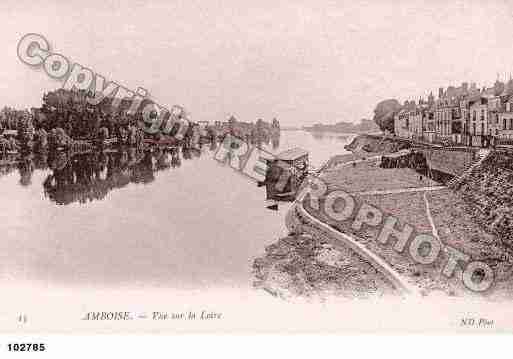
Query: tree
{"x": 384, "y": 114}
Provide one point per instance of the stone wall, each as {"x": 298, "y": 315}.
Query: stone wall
{"x": 451, "y": 161}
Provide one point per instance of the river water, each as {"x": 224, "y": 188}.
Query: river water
{"x": 182, "y": 221}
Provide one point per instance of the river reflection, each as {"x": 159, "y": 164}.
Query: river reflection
{"x": 88, "y": 177}
{"x": 24, "y": 165}
{"x": 162, "y": 218}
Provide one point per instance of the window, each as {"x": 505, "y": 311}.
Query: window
{"x": 511, "y": 123}
{"x": 504, "y": 124}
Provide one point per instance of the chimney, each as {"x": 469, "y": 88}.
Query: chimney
{"x": 440, "y": 92}
{"x": 464, "y": 86}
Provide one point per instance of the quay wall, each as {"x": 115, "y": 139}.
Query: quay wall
{"x": 449, "y": 160}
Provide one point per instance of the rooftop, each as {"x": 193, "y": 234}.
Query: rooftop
{"x": 292, "y": 154}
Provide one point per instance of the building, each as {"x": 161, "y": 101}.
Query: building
{"x": 504, "y": 125}
{"x": 495, "y": 107}
{"x": 402, "y": 124}
{"x": 478, "y": 109}
{"x": 416, "y": 121}
{"x": 463, "y": 115}
{"x": 449, "y": 113}
{"x": 444, "y": 114}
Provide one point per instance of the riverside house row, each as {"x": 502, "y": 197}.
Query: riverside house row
{"x": 464, "y": 115}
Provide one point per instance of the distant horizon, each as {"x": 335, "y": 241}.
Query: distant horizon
{"x": 297, "y": 61}
{"x": 327, "y": 122}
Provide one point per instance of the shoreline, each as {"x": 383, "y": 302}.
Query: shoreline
{"x": 428, "y": 211}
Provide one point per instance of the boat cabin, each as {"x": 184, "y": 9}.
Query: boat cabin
{"x": 285, "y": 174}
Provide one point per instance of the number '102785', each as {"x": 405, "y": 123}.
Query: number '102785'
{"x": 26, "y": 347}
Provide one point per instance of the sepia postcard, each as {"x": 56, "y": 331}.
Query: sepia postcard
{"x": 256, "y": 167}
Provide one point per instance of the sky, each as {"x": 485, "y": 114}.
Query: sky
{"x": 303, "y": 62}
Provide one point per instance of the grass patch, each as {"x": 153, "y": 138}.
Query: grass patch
{"x": 458, "y": 228}
{"x": 368, "y": 176}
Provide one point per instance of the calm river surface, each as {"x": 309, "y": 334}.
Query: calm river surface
{"x": 187, "y": 222}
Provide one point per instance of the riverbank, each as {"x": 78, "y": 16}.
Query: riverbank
{"x": 366, "y": 146}
{"x": 426, "y": 205}
{"x": 310, "y": 267}
{"x": 377, "y": 144}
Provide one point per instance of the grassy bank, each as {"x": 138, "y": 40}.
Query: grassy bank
{"x": 368, "y": 176}
{"x": 488, "y": 189}
{"x": 445, "y": 214}
{"x": 454, "y": 217}
{"x": 475, "y": 218}
{"x": 300, "y": 266}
